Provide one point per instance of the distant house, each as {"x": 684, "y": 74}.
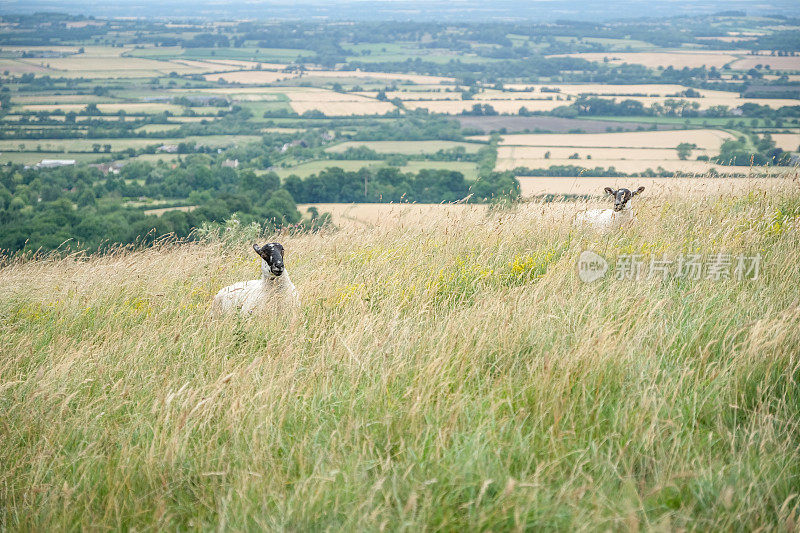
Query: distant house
{"x": 230, "y": 163}
{"x": 328, "y": 136}
{"x": 53, "y": 163}
{"x": 292, "y": 144}
{"x": 106, "y": 168}
{"x": 168, "y": 148}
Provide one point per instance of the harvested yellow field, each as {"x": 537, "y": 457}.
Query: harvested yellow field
{"x": 412, "y": 96}
{"x": 84, "y": 23}
{"x": 332, "y": 103}
{"x": 628, "y": 152}
{"x": 787, "y": 141}
{"x": 704, "y": 139}
{"x": 109, "y": 62}
{"x": 501, "y": 106}
{"x": 576, "y": 89}
{"x": 322, "y": 95}
{"x": 402, "y": 215}
{"x": 242, "y": 64}
{"x": 533, "y": 186}
{"x": 266, "y": 76}
{"x": 252, "y": 76}
{"x": 202, "y": 66}
{"x": 334, "y": 108}
{"x": 227, "y": 91}
{"x": 774, "y": 62}
{"x": 389, "y": 76}
{"x": 678, "y": 59}
{"x": 629, "y": 166}
{"x": 727, "y": 39}
{"x": 59, "y": 48}
{"x": 731, "y": 100}
{"x": 538, "y": 152}
{"x": 241, "y": 95}
{"x": 16, "y": 67}
{"x": 254, "y": 97}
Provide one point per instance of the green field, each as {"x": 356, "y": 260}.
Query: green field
{"x": 304, "y": 170}
{"x": 470, "y": 170}
{"x": 152, "y": 128}
{"x": 406, "y": 147}
{"x": 315, "y": 167}
{"x": 266, "y": 55}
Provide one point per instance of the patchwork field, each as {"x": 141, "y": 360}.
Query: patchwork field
{"x": 628, "y": 152}
{"x": 96, "y": 62}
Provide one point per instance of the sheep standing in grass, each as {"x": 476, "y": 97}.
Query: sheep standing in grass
{"x": 609, "y": 219}
{"x": 272, "y": 293}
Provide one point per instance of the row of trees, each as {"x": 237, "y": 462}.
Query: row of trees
{"x": 392, "y": 185}
{"x": 43, "y": 208}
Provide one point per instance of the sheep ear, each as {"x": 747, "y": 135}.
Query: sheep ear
{"x": 610, "y": 191}
{"x": 258, "y": 250}
{"x": 637, "y": 191}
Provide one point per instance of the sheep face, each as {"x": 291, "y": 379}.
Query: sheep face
{"x": 272, "y": 254}
{"x": 622, "y": 196}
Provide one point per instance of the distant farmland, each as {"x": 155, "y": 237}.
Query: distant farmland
{"x": 516, "y": 124}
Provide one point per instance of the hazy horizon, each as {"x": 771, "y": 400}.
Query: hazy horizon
{"x": 464, "y": 11}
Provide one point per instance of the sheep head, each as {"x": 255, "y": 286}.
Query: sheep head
{"x": 621, "y": 196}
{"x": 272, "y": 254}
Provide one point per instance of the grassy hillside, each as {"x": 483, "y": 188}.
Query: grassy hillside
{"x": 442, "y": 374}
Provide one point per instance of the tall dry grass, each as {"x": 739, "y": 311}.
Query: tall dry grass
{"x": 446, "y": 373}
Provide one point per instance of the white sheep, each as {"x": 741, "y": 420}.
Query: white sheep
{"x": 272, "y": 293}
{"x": 610, "y": 219}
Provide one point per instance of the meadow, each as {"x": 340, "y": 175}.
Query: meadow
{"x": 446, "y": 370}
